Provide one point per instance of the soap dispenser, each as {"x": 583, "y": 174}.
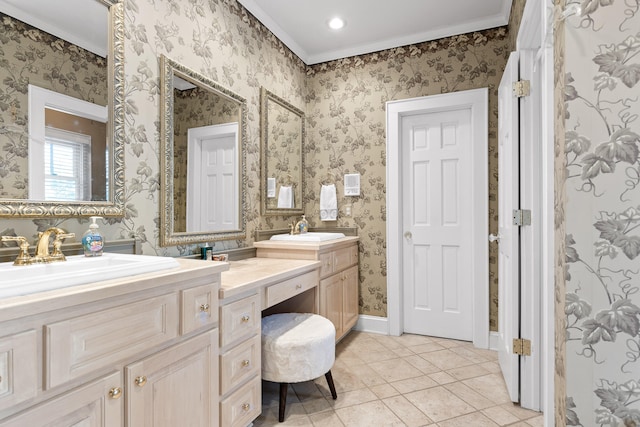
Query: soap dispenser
{"x": 303, "y": 225}
{"x": 92, "y": 240}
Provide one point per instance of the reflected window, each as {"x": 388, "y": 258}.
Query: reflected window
{"x": 73, "y": 125}
{"x": 67, "y": 165}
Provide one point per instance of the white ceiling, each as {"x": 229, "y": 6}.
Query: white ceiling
{"x": 81, "y": 22}
{"x": 372, "y": 25}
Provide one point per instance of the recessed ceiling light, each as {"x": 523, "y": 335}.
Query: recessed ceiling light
{"x": 336, "y": 23}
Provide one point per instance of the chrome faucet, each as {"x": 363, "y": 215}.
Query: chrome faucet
{"x": 42, "y": 247}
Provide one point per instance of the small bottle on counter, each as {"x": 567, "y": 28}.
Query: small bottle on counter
{"x": 303, "y": 225}
{"x": 92, "y": 240}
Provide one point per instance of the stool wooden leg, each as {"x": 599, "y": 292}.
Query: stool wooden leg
{"x": 332, "y": 387}
{"x": 283, "y": 401}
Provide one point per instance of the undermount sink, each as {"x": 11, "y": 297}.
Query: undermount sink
{"x": 76, "y": 270}
{"x": 311, "y": 236}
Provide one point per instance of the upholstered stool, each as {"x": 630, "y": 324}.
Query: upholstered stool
{"x": 297, "y": 347}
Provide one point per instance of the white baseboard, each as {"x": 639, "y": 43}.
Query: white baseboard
{"x": 493, "y": 340}
{"x": 374, "y": 324}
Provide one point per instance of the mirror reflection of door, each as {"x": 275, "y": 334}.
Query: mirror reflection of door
{"x": 212, "y": 178}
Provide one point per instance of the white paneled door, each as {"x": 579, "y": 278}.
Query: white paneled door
{"x": 213, "y": 176}
{"x": 508, "y": 235}
{"x": 438, "y": 210}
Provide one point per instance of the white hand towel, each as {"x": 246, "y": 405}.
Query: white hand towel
{"x": 285, "y": 197}
{"x": 328, "y": 203}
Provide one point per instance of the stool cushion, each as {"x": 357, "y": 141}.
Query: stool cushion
{"x": 297, "y": 347}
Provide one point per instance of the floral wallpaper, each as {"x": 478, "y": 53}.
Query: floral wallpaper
{"x": 192, "y": 108}
{"x": 31, "y": 56}
{"x": 346, "y": 134}
{"x": 602, "y": 144}
{"x": 344, "y": 103}
{"x": 216, "y": 38}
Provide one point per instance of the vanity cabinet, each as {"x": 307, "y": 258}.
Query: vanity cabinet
{"x": 94, "y": 404}
{"x": 339, "y": 300}
{"x": 185, "y": 373}
{"x": 18, "y": 368}
{"x": 251, "y": 289}
{"x": 240, "y": 361}
{"x": 338, "y": 288}
{"x": 141, "y": 351}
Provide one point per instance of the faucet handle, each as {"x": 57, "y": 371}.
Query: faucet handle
{"x": 57, "y": 254}
{"x": 23, "y": 257}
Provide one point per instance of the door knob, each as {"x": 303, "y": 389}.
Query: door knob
{"x": 494, "y": 237}
{"x": 408, "y": 235}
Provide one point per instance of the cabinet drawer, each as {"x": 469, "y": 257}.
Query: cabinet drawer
{"x": 239, "y": 319}
{"x": 18, "y": 368}
{"x": 288, "y": 288}
{"x": 77, "y": 346}
{"x": 243, "y": 406}
{"x": 345, "y": 257}
{"x": 239, "y": 363}
{"x": 199, "y": 307}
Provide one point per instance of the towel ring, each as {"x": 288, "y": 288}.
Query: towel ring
{"x": 328, "y": 180}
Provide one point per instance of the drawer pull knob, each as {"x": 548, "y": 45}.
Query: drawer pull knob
{"x": 246, "y": 407}
{"x": 298, "y": 286}
{"x": 204, "y": 307}
{"x": 245, "y": 363}
{"x": 140, "y": 381}
{"x": 245, "y": 318}
{"x": 115, "y": 393}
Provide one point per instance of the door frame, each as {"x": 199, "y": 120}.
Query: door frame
{"x": 536, "y": 35}
{"x": 478, "y": 101}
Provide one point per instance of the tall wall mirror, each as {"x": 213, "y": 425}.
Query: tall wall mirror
{"x": 61, "y": 108}
{"x": 282, "y": 134}
{"x": 203, "y": 135}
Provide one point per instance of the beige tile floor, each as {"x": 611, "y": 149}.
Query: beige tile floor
{"x": 410, "y": 380}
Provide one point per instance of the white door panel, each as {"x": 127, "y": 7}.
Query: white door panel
{"x": 438, "y": 295}
{"x": 212, "y": 176}
{"x": 508, "y": 243}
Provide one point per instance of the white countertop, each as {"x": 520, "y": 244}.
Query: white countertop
{"x": 255, "y": 273}
{"x": 315, "y": 246}
{"x": 26, "y": 305}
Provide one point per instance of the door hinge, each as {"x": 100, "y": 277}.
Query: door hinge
{"x": 521, "y": 347}
{"x": 521, "y": 88}
{"x": 521, "y": 217}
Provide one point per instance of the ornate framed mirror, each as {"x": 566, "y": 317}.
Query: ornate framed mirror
{"x": 203, "y": 170}
{"x": 63, "y": 134}
{"x": 282, "y": 133}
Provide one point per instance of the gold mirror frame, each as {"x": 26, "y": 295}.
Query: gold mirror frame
{"x": 114, "y": 207}
{"x": 168, "y": 235}
{"x": 265, "y": 98}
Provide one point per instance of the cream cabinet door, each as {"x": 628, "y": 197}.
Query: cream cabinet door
{"x": 97, "y": 404}
{"x": 350, "y": 298}
{"x": 331, "y": 301}
{"x": 18, "y": 368}
{"x": 177, "y": 386}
